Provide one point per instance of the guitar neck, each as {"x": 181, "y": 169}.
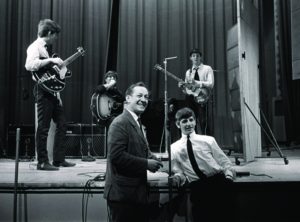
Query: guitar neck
{"x": 161, "y": 69}
{"x": 173, "y": 76}
{"x": 71, "y": 59}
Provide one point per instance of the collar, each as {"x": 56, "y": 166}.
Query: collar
{"x": 41, "y": 41}
{"x": 192, "y": 135}
{"x": 199, "y": 67}
{"x": 135, "y": 117}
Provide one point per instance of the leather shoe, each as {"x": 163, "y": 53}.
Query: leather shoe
{"x": 63, "y": 164}
{"x": 46, "y": 166}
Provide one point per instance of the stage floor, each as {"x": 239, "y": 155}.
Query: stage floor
{"x": 262, "y": 169}
{"x": 268, "y": 194}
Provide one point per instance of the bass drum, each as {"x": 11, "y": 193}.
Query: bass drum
{"x": 104, "y": 107}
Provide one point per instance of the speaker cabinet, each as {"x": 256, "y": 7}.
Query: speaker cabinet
{"x": 85, "y": 140}
{"x": 26, "y": 144}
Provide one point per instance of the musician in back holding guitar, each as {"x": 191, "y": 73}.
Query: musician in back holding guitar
{"x": 200, "y": 78}
{"x": 109, "y": 97}
{"x": 49, "y": 104}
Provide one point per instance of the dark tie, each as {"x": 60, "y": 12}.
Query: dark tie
{"x": 194, "y": 164}
{"x": 196, "y": 77}
{"x": 141, "y": 126}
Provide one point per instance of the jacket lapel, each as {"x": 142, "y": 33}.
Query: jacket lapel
{"x": 135, "y": 126}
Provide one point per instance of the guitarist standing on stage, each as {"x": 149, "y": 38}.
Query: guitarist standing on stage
{"x": 109, "y": 87}
{"x": 49, "y": 105}
{"x": 199, "y": 76}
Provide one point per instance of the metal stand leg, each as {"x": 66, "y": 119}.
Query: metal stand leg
{"x": 271, "y": 139}
{"x": 16, "y": 175}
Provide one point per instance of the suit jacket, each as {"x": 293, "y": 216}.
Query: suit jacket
{"x": 128, "y": 151}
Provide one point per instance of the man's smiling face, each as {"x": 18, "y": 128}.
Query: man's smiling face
{"x": 138, "y": 100}
{"x": 186, "y": 125}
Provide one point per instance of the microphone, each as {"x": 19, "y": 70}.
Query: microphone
{"x": 169, "y": 58}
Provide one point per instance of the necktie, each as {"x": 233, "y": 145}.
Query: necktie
{"x": 196, "y": 77}
{"x": 141, "y": 126}
{"x": 194, "y": 164}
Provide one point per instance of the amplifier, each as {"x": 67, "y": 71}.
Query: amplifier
{"x": 85, "y": 140}
{"x": 27, "y": 141}
{"x": 81, "y": 140}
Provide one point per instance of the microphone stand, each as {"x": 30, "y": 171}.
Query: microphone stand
{"x": 167, "y": 146}
{"x": 16, "y": 175}
{"x": 88, "y": 158}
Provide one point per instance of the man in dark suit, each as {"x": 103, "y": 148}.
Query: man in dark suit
{"x": 128, "y": 160}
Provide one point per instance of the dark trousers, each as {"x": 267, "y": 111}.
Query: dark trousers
{"x": 212, "y": 199}
{"x": 48, "y": 108}
{"x": 125, "y": 212}
{"x": 201, "y": 112}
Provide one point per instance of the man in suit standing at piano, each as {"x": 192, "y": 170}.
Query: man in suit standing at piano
{"x": 129, "y": 158}
{"x": 200, "y": 76}
{"x": 49, "y": 105}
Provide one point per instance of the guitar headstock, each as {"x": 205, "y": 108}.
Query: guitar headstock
{"x": 81, "y": 50}
{"x": 158, "y": 67}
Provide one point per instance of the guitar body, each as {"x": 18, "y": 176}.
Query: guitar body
{"x": 104, "y": 106}
{"x": 201, "y": 95}
{"x": 49, "y": 77}
{"x": 52, "y": 77}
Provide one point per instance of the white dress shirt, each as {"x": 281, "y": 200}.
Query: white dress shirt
{"x": 205, "y": 73}
{"x": 209, "y": 157}
{"x": 35, "y": 52}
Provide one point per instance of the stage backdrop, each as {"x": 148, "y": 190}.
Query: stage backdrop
{"x": 145, "y": 31}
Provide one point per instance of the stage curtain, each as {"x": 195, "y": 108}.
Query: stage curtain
{"x": 86, "y": 24}
{"x": 148, "y": 31}
{"x": 151, "y": 30}
{"x": 83, "y": 23}
{"x": 18, "y": 21}
{"x": 290, "y": 87}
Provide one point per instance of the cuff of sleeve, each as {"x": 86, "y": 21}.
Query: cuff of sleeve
{"x": 182, "y": 178}
{"x": 229, "y": 173}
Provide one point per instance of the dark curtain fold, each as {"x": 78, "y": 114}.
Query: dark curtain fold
{"x": 84, "y": 23}
{"x": 150, "y": 30}
{"x": 5, "y": 37}
{"x": 290, "y": 87}
{"x": 18, "y": 26}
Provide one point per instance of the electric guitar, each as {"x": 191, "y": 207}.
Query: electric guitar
{"x": 104, "y": 106}
{"x": 201, "y": 95}
{"x": 52, "y": 77}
